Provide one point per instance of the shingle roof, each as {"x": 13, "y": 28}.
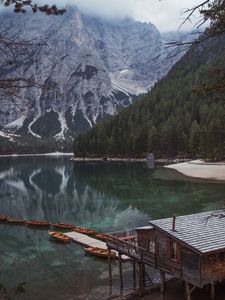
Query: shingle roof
{"x": 204, "y": 232}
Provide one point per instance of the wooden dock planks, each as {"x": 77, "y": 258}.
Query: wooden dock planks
{"x": 88, "y": 241}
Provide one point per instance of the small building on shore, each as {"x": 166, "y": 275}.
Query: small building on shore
{"x": 190, "y": 248}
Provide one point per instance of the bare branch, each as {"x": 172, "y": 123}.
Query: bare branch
{"x": 20, "y": 6}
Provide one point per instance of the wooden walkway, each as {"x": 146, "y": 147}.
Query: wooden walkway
{"x": 87, "y": 241}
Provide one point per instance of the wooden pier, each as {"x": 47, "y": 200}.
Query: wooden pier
{"x": 88, "y": 241}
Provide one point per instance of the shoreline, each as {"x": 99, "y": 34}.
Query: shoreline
{"x": 38, "y": 154}
{"x": 191, "y": 168}
{"x": 122, "y": 159}
{"x": 201, "y": 169}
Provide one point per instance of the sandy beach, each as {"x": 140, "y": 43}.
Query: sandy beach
{"x": 201, "y": 169}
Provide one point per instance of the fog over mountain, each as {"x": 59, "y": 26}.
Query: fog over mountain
{"x": 165, "y": 15}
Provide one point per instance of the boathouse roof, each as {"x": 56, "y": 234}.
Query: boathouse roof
{"x": 203, "y": 232}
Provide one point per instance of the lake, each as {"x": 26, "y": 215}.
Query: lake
{"x": 105, "y": 196}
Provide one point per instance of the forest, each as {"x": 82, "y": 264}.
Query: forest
{"x": 182, "y": 116}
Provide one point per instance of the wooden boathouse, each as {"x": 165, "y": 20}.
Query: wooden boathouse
{"x": 190, "y": 248}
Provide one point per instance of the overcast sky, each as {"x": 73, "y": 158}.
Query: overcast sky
{"x": 167, "y": 15}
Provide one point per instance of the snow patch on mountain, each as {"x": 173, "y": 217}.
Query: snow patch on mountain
{"x": 18, "y": 123}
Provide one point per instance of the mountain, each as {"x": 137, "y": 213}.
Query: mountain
{"x": 86, "y": 68}
{"x": 183, "y": 115}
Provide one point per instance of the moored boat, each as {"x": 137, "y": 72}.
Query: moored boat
{"x": 15, "y": 221}
{"x": 3, "y": 218}
{"x": 59, "y": 236}
{"x": 99, "y": 252}
{"x": 87, "y": 231}
{"x": 101, "y": 236}
{"x": 63, "y": 226}
{"x": 36, "y": 223}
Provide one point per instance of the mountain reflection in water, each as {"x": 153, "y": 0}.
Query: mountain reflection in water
{"x": 55, "y": 190}
{"x": 105, "y": 196}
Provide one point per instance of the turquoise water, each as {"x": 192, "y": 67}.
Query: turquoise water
{"x": 105, "y": 196}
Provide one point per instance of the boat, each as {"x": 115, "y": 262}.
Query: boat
{"x": 3, "y": 218}
{"x": 15, "y": 221}
{"x": 59, "y": 236}
{"x": 99, "y": 252}
{"x": 85, "y": 230}
{"x": 63, "y": 226}
{"x": 36, "y": 223}
{"x": 101, "y": 236}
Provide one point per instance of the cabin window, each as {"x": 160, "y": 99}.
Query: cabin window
{"x": 152, "y": 247}
{"x": 173, "y": 253}
{"x": 173, "y": 250}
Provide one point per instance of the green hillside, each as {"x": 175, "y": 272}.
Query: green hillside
{"x": 181, "y": 116}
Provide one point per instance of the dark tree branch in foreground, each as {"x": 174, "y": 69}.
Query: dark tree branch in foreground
{"x": 219, "y": 215}
{"x": 212, "y": 13}
{"x": 15, "y": 52}
{"x": 22, "y": 5}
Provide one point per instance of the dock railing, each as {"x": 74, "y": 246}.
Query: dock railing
{"x": 126, "y": 242}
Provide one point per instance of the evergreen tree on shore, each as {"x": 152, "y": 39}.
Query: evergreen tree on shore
{"x": 177, "y": 118}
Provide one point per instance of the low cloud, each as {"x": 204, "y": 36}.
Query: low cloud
{"x": 167, "y": 15}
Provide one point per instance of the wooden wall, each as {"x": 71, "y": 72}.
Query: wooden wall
{"x": 187, "y": 267}
{"x": 191, "y": 266}
{"x": 213, "y": 267}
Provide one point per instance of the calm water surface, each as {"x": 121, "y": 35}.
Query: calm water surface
{"x": 107, "y": 197}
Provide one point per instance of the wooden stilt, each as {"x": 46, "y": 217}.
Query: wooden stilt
{"x": 143, "y": 277}
{"x": 188, "y": 294}
{"x": 140, "y": 279}
{"x": 213, "y": 290}
{"x": 189, "y": 290}
{"x": 162, "y": 284}
{"x": 134, "y": 274}
{"x": 184, "y": 289}
{"x": 110, "y": 269}
{"x": 121, "y": 271}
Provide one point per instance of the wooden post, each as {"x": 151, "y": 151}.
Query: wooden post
{"x": 162, "y": 284}
{"x": 134, "y": 274}
{"x": 143, "y": 277}
{"x": 213, "y": 290}
{"x": 140, "y": 279}
{"x": 121, "y": 271}
{"x": 110, "y": 268}
{"x": 188, "y": 291}
{"x": 184, "y": 289}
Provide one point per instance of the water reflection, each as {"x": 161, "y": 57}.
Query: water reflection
{"x": 105, "y": 196}
{"x": 57, "y": 191}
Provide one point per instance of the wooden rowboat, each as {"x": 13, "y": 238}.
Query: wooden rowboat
{"x": 38, "y": 223}
{"x": 99, "y": 252}
{"x": 63, "y": 226}
{"x": 101, "y": 236}
{"x": 85, "y": 230}
{"x": 59, "y": 236}
{"x": 15, "y": 221}
{"x": 3, "y": 218}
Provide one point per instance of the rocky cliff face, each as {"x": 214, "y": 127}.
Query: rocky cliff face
{"x": 86, "y": 69}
